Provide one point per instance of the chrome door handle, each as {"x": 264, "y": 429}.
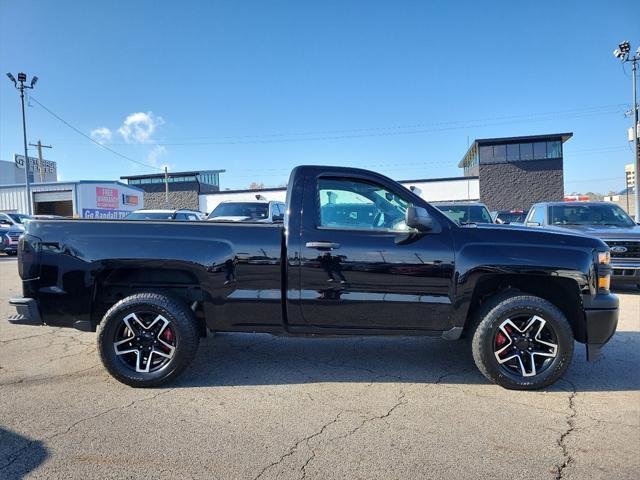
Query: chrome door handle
{"x": 323, "y": 245}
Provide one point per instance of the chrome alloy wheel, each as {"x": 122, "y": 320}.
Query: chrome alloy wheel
{"x": 145, "y": 341}
{"x": 525, "y": 345}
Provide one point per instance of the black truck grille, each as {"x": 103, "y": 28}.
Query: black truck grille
{"x": 632, "y": 248}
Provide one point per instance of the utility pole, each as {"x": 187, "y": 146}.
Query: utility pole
{"x": 622, "y": 52}
{"x": 40, "y": 160}
{"x": 22, "y": 78}
{"x": 166, "y": 186}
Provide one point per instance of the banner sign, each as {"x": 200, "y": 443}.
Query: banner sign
{"x": 103, "y": 214}
{"x": 106, "y": 197}
{"x": 130, "y": 200}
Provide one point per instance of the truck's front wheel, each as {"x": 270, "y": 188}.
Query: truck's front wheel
{"x": 147, "y": 339}
{"x": 521, "y": 341}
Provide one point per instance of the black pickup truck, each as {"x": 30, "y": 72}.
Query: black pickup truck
{"x": 358, "y": 254}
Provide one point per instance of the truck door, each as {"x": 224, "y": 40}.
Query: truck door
{"x": 353, "y": 271}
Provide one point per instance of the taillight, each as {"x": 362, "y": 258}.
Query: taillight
{"x": 29, "y": 257}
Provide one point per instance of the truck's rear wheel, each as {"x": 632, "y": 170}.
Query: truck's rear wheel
{"x": 521, "y": 341}
{"x": 147, "y": 339}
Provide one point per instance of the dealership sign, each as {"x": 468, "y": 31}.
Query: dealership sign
{"x": 48, "y": 166}
{"x": 104, "y": 214}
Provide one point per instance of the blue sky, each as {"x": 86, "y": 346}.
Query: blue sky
{"x": 259, "y": 87}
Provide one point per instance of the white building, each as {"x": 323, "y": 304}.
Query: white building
{"x": 454, "y": 189}
{"x": 80, "y": 199}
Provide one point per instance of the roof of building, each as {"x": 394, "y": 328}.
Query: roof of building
{"x": 171, "y": 174}
{"x": 504, "y": 140}
{"x": 69, "y": 183}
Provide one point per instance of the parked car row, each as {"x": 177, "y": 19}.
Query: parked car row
{"x": 261, "y": 211}
{"x": 603, "y": 220}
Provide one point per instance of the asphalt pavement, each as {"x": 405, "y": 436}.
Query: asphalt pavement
{"x": 263, "y": 407}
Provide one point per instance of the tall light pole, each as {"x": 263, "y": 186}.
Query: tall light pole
{"x": 22, "y": 78}
{"x": 622, "y": 52}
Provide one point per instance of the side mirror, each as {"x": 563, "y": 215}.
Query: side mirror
{"x": 419, "y": 218}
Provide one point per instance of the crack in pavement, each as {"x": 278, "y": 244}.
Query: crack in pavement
{"x": 17, "y": 454}
{"x": 293, "y": 449}
{"x": 401, "y": 400}
{"x": 568, "y": 458}
{"x": 50, "y": 377}
{"x": 17, "y": 339}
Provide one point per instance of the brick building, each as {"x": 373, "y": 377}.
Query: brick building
{"x": 185, "y": 188}
{"x": 516, "y": 172}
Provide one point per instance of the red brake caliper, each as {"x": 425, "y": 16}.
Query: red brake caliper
{"x": 501, "y": 338}
{"x": 168, "y": 336}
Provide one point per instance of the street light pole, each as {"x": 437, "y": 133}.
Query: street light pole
{"x": 636, "y": 132}
{"x": 22, "y": 77}
{"x": 622, "y": 52}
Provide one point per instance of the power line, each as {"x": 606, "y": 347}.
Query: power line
{"x": 324, "y": 135}
{"x": 80, "y": 132}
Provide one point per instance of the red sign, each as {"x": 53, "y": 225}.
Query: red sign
{"x": 106, "y": 197}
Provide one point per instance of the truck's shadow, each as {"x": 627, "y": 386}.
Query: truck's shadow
{"x": 19, "y": 455}
{"x": 239, "y": 359}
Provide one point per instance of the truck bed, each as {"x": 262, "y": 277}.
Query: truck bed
{"x": 85, "y": 264}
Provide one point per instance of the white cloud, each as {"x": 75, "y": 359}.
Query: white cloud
{"x": 157, "y": 152}
{"x": 102, "y": 134}
{"x": 139, "y": 127}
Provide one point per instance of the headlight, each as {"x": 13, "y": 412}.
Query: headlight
{"x": 604, "y": 282}
{"x": 604, "y": 271}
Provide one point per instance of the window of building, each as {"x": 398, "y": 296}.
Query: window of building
{"x": 540, "y": 150}
{"x": 526, "y": 151}
{"x": 499, "y": 153}
{"x": 513, "y": 152}
{"x": 486, "y": 153}
{"x": 554, "y": 149}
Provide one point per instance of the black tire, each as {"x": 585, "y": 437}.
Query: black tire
{"x": 184, "y": 334}
{"x": 494, "y": 313}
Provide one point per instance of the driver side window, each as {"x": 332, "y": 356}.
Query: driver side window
{"x": 355, "y": 204}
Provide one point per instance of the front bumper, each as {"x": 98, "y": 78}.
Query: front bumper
{"x": 601, "y": 319}
{"x": 27, "y": 312}
{"x": 10, "y": 248}
{"x": 625, "y": 272}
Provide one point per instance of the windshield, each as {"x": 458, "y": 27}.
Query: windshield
{"x": 149, "y": 216}
{"x": 253, "y": 210}
{"x": 511, "y": 217}
{"x": 18, "y": 217}
{"x": 590, "y": 215}
{"x": 466, "y": 213}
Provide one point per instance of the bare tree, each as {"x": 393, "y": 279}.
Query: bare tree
{"x": 256, "y": 186}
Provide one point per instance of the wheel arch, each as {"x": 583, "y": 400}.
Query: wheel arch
{"x": 118, "y": 282}
{"x": 563, "y": 292}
